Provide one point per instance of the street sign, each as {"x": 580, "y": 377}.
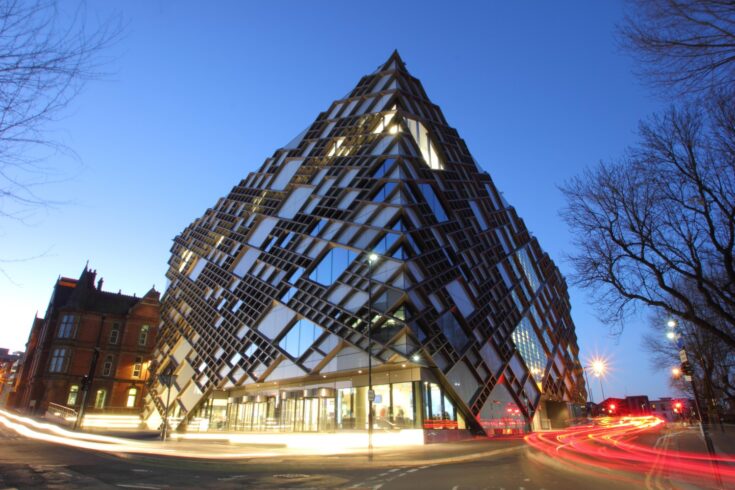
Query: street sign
{"x": 371, "y": 396}
{"x": 683, "y": 355}
{"x": 688, "y": 378}
{"x": 680, "y": 342}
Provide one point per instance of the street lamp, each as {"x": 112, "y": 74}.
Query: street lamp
{"x": 589, "y": 391}
{"x": 675, "y": 372}
{"x": 671, "y": 324}
{"x": 598, "y": 368}
{"x": 373, "y": 257}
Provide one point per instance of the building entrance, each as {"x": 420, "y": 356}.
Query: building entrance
{"x": 253, "y": 414}
{"x": 308, "y": 410}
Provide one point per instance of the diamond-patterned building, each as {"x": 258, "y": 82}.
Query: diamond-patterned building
{"x": 273, "y": 293}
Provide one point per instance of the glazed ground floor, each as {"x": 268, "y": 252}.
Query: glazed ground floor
{"x": 404, "y": 399}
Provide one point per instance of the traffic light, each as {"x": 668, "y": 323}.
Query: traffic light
{"x": 677, "y": 407}
{"x": 612, "y": 407}
{"x": 686, "y": 368}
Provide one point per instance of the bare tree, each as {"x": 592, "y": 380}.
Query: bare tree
{"x": 658, "y": 227}
{"x": 684, "y": 45}
{"x": 45, "y": 58}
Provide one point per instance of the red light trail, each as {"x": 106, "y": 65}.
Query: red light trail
{"x": 609, "y": 449}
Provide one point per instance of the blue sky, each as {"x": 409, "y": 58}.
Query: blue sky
{"x": 200, "y": 93}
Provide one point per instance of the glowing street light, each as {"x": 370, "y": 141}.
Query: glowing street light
{"x": 598, "y": 367}
{"x": 675, "y": 372}
{"x": 671, "y": 335}
{"x": 671, "y": 324}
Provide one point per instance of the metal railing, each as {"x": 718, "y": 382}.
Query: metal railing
{"x": 61, "y": 411}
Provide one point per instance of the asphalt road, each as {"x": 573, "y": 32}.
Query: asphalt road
{"x": 26, "y": 463}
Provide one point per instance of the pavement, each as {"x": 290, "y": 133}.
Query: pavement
{"x": 28, "y": 462}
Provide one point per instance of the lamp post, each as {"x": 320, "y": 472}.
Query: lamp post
{"x": 166, "y": 378}
{"x": 88, "y": 378}
{"x": 589, "y": 391}
{"x": 371, "y": 394}
{"x": 674, "y": 334}
{"x": 598, "y": 369}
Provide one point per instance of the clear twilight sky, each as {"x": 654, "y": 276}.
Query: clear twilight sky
{"x": 200, "y": 93}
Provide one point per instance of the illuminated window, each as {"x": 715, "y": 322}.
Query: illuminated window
{"x": 107, "y": 367}
{"x": 100, "y": 398}
{"x": 143, "y": 335}
{"x": 71, "y": 399}
{"x": 115, "y": 333}
{"x": 533, "y": 354}
{"x": 185, "y": 258}
{"x": 423, "y": 141}
{"x": 132, "y": 396}
{"x": 66, "y": 327}
{"x": 59, "y": 360}
{"x": 137, "y": 367}
{"x": 527, "y": 266}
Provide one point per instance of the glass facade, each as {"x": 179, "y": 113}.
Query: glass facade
{"x": 403, "y": 405}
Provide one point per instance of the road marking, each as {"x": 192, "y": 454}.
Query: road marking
{"x": 455, "y": 487}
{"x": 233, "y": 477}
{"x": 137, "y": 485}
{"x": 140, "y": 470}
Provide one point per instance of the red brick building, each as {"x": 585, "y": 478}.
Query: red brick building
{"x": 9, "y": 363}
{"x": 82, "y": 319}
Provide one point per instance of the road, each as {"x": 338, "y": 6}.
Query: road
{"x": 504, "y": 464}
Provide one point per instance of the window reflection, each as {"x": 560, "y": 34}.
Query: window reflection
{"x": 301, "y": 336}
{"x": 383, "y": 168}
{"x": 332, "y": 266}
{"x": 433, "y": 201}
{"x": 384, "y": 192}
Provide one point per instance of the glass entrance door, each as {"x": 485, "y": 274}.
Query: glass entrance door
{"x": 311, "y": 414}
